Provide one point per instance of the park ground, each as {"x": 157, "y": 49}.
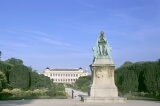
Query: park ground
{"x": 74, "y": 102}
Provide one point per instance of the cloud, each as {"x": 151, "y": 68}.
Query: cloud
{"x": 53, "y": 56}
{"x": 85, "y": 4}
{"x": 13, "y": 44}
{"x": 9, "y": 31}
{"x": 32, "y": 46}
{"x": 53, "y": 42}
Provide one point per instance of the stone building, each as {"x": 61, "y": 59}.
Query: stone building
{"x": 65, "y": 75}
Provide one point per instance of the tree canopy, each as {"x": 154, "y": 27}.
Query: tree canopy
{"x": 18, "y": 75}
{"x": 15, "y": 61}
{"x": 138, "y": 77}
{"x": 0, "y": 54}
{"x": 3, "y": 81}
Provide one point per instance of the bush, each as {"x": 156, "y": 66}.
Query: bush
{"x": 6, "y": 93}
{"x": 3, "y": 81}
{"x": 17, "y": 92}
{"x": 39, "y": 92}
{"x": 60, "y": 93}
{"x": 19, "y": 77}
{"x": 60, "y": 87}
{"x": 55, "y": 91}
{"x": 83, "y": 83}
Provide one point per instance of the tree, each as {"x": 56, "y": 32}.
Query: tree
{"x": 6, "y": 68}
{"x": 127, "y": 63}
{"x": 126, "y": 79}
{"x": 138, "y": 77}
{"x": 39, "y": 81}
{"x": 83, "y": 83}
{"x": 151, "y": 75}
{"x": 15, "y": 61}
{"x": 0, "y": 54}
{"x": 3, "y": 81}
{"x": 19, "y": 77}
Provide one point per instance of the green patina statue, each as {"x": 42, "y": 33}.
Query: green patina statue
{"x": 102, "y": 48}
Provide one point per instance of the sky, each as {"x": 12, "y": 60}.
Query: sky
{"x": 61, "y": 33}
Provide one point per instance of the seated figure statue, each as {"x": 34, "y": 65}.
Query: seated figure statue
{"x": 102, "y": 48}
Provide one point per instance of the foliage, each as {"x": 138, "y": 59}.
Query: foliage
{"x": 24, "y": 82}
{"x": 15, "y": 71}
{"x": 127, "y": 81}
{"x": 0, "y": 55}
{"x": 60, "y": 87}
{"x": 19, "y": 77}
{"x": 7, "y": 94}
{"x": 39, "y": 81}
{"x": 83, "y": 83}
{"x": 5, "y": 68}
{"x": 127, "y": 63}
{"x": 14, "y": 61}
{"x": 3, "y": 81}
{"x": 139, "y": 77}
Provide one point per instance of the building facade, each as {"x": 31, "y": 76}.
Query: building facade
{"x": 65, "y": 75}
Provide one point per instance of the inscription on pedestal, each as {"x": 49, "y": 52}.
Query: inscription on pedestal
{"x": 101, "y": 72}
{"x": 109, "y": 73}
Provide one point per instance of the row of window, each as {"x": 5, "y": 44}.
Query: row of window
{"x": 63, "y": 80}
{"x": 66, "y": 75}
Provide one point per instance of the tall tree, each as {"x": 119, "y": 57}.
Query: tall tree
{"x": 15, "y": 61}
{"x": 139, "y": 76}
{"x": 3, "y": 81}
{"x": 5, "y": 68}
{"x": 19, "y": 77}
{"x": 0, "y": 54}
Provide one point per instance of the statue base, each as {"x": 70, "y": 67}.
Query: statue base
{"x": 103, "y": 88}
{"x": 103, "y": 99}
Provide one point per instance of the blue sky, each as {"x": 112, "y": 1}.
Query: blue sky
{"x": 61, "y": 33}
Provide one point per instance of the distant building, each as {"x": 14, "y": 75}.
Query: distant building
{"x": 65, "y": 75}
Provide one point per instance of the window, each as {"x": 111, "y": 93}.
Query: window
{"x": 76, "y": 75}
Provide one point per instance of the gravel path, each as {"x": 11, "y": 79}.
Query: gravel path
{"x": 77, "y": 94}
{"x": 73, "y": 102}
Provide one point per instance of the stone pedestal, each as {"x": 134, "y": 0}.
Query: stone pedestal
{"x": 103, "y": 87}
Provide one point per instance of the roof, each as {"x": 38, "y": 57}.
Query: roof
{"x": 64, "y": 69}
